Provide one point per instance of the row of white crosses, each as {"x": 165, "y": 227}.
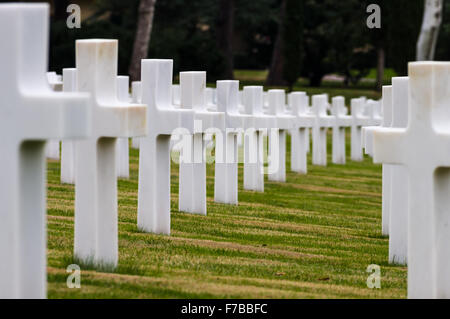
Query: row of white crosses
{"x": 101, "y": 117}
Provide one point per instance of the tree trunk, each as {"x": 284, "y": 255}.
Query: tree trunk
{"x": 380, "y": 68}
{"x": 432, "y": 18}
{"x": 142, "y": 39}
{"x": 225, "y": 22}
{"x": 275, "y": 76}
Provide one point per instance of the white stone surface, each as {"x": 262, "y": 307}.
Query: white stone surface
{"x": 321, "y": 124}
{"x": 254, "y": 138}
{"x": 136, "y": 97}
{"x": 226, "y": 166}
{"x": 299, "y": 137}
{"x": 277, "y": 138}
{"x": 424, "y": 148}
{"x": 387, "y": 168}
{"x": 68, "y": 147}
{"x": 52, "y": 147}
{"x": 55, "y": 81}
{"x": 122, "y": 146}
{"x": 176, "y": 95}
{"x": 340, "y": 123}
{"x": 30, "y": 113}
{"x": 398, "y": 218}
{"x": 358, "y": 121}
{"x": 96, "y": 233}
{"x": 154, "y": 153}
{"x": 192, "y": 177}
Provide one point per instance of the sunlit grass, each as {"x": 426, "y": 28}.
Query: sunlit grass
{"x": 311, "y": 237}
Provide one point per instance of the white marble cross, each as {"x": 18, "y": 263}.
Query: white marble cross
{"x": 423, "y": 147}
{"x": 96, "y": 224}
{"x": 226, "y": 167}
{"x": 30, "y": 113}
{"x": 277, "y": 147}
{"x": 299, "y": 137}
{"x": 387, "y": 168}
{"x": 164, "y": 119}
{"x": 321, "y": 123}
{"x": 340, "y": 122}
{"x": 398, "y": 217}
{"x": 252, "y": 98}
{"x": 68, "y": 147}
{"x": 192, "y": 177}
{"x": 122, "y": 147}
{"x": 136, "y": 97}
{"x": 358, "y": 121}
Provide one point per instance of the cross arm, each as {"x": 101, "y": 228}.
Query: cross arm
{"x": 56, "y": 115}
{"x": 122, "y": 120}
{"x": 389, "y": 145}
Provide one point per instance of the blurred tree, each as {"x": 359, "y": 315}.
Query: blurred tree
{"x": 287, "y": 52}
{"x": 293, "y": 41}
{"x": 112, "y": 19}
{"x": 275, "y": 76}
{"x": 432, "y": 18}
{"x": 142, "y": 39}
{"x": 224, "y": 30}
{"x": 394, "y": 43}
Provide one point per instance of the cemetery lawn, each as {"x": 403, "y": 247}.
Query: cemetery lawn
{"x": 311, "y": 237}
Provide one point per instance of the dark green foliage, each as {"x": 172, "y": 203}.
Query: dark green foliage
{"x": 113, "y": 19}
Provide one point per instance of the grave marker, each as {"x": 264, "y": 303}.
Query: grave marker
{"x": 154, "y": 154}
{"x": 30, "y": 113}
{"x": 252, "y": 98}
{"x": 226, "y": 167}
{"x": 96, "y": 224}
{"x": 299, "y": 138}
{"x": 277, "y": 147}
{"x": 358, "y": 121}
{"x": 192, "y": 178}
{"x": 424, "y": 148}
{"x": 321, "y": 124}
{"x": 340, "y": 122}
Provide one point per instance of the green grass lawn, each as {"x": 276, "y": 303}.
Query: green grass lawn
{"x": 258, "y": 77}
{"x": 311, "y": 237}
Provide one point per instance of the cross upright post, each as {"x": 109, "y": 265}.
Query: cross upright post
{"x": 136, "y": 97}
{"x": 30, "y": 114}
{"x": 68, "y": 147}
